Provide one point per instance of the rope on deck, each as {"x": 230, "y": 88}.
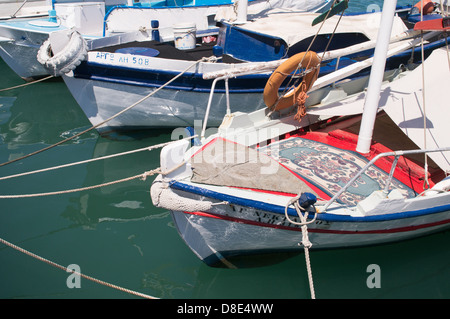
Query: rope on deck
{"x": 75, "y": 272}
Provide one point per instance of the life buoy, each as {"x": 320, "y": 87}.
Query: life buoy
{"x": 307, "y": 60}
{"x": 67, "y": 59}
{"x": 428, "y": 6}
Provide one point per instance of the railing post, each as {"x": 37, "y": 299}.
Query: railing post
{"x": 208, "y": 107}
{"x": 391, "y": 174}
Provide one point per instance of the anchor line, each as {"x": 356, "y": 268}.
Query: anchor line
{"x": 26, "y": 84}
{"x": 148, "y": 148}
{"x": 26, "y": 252}
{"x": 294, "y": 80}
{"x": 142, "y": 176}
{"x": 213, "y": 58}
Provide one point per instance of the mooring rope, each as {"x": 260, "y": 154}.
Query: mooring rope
{"x": 75, "y": 272}
{"x": 142, "y": 176}
{"x": 305, "y": 238}
{"x": 26, "y": 84}
{"x": 112, "y": 117}
{"x": 148, "y": 148}
{"x": 307, "y": 244}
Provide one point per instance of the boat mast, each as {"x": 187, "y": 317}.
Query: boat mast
{"x": 241, "y": 8}
{"x": 376, "y": 77}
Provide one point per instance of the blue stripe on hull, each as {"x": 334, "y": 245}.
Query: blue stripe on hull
{"x": 194, "y": 82}
{"x": 322, "y": 216}
{"x": 156, "y": 78}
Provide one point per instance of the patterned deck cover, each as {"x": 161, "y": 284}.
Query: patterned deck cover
{"x": 330, "y": 168}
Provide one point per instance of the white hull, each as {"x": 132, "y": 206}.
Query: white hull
{"x": 230, "y": 194}
{"x": 101, "y": 100}
{"x": 20, "y": 40}
{"x": 20, "y": 55}
{"x": 111, "y": 81}
{"x": 225, "y": 233}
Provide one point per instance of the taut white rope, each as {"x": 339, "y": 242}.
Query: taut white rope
{"x": 75, "y": 272}
{"x": 305, "y": 238}
{"x": 26, "y": 84}
{"x": 141, "y": 176}
{"x": 148, "y": 148}
{"x": 114, "y": 116}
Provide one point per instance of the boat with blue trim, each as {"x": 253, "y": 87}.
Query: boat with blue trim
{"x": 114, "y": 21}
{"x": 366, "y": 168}
{"x": 113, "y": 77}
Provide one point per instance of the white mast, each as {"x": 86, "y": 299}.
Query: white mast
{"x": 241, "y": 11}
{"x": 376, "y": 77}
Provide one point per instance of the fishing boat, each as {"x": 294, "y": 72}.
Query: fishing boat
{"x": 115, "y": 20}
{"x": 21, "y": 38}
{"x": 367, "y": 167}
{"x": 170, "y": 85}
{"x": 25, "y": 9}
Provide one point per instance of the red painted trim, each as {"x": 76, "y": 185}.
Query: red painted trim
{"x": 205, "y": 146}
{"x": 323, "y": 231}
{"x": 407, "y": 171}
{"x": 318, "y": 191}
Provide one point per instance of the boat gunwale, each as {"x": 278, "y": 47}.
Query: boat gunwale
{"x": 324, "y": 216}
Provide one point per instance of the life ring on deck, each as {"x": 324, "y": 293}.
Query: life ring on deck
{"x": 307, "y": 60}
{"x": 67, "y": 59}
{"x": 428, "y": 7}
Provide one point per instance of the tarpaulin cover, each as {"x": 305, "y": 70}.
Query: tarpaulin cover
{"x": 227, "y": 163}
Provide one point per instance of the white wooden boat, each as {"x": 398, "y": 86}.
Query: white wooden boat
{"x": 20, "y": 39}
{"x": 266, "y": 182}
{"x": 115, "y": 77}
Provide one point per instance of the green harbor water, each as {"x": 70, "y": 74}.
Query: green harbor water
{"x": 116, "y": 235}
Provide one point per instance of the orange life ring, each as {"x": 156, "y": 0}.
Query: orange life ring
{"x": 428, "y": 6}
{"x": 306, "y": 60}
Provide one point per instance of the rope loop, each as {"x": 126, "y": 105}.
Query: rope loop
{"x": 302, "y": 213}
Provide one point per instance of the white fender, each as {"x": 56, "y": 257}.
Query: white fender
{"x": 162, "y": 196}
{"x": 441, "y": 187}
{"x": 67, "y": 59}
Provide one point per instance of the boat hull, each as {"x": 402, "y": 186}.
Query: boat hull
{"x": 170, "y": 107}
{"x": 19, "y": 49}
{"x": 237, "y": 231}
{"x": 227, "y": 199}
{"x": 108, "y": 83}
{"x": 20, "y": 39}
